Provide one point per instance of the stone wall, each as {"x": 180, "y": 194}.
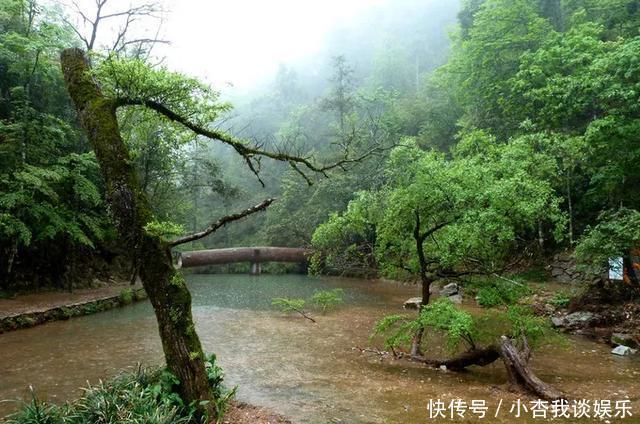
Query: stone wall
{"x": 563, "y": 269}
{"x": 30, "y": 319}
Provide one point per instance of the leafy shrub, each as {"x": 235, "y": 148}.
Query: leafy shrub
{"x": 489, "y": 297}
{"x": 327, "y": 299}
{"x": 146, "y": 396}
{"x": 288, "y": 305}
{"x": 126, "y": 296}
{"x": 498, "y": 293}
{"x": 164, "y": 229}
{"x": 459, "y": 327}
{"x": 560, "y": 299}
{"x": 536, "y": 275}
{"x": 442, "y": 316}
{"x": 216, "y": 378}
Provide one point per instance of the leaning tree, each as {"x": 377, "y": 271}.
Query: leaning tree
{"x": 98, "y": 93}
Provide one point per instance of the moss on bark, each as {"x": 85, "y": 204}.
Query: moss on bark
{"x": 130, "y": 209}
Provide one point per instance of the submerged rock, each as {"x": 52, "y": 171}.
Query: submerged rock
{"x": 623, "y": 351}
{"x": 624, "y": 339}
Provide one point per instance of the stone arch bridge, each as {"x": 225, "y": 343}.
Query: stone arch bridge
{"x": 256, "y": 256}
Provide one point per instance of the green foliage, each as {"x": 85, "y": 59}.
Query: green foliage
{"x": 135, "y": 79}
{"x": 617, "y": 233}
{"x": 397, "y": 329}
{"x": 288, "y": 305}
{"x": 499, "y": 293}
{"x": 36, "y": 412}
{"x": 126, "y": 296}
{"x": 146, "y": 396}
{"x": 560, "y": 299}
{"x": 524, "y": 323}
{"x": 533, "y": 275}
{"x": 166, "y": 230}
{"x": 474, "y": 206}
{"x": 50, "y": 189}
{"x": 441, "y": 316}
{"x": 459, "y": 327}
{"x": 327, "y": 299}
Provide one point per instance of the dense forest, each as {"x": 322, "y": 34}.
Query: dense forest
{"x": 556, "y": 97}
{"x": 427, "y": 142}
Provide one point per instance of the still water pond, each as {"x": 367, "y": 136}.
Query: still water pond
{"x": 313, "y": 373}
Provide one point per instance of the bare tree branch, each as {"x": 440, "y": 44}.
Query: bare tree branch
{"x": 92, "y": 25}
{"x": 222, "y": 222}
{"x": 251, "y": 154}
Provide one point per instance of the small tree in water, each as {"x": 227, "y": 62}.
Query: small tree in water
{"x": 508, "y": 336}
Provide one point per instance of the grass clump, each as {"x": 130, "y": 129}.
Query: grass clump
{"x": 126, "y": 296}
{"x": 560, "y": 299}
{"x": 146, "y": 396}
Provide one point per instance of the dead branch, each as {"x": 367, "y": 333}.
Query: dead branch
{"x": 91, "y": 21}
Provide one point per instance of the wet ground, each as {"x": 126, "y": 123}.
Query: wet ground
{"x": 313, "y": 373}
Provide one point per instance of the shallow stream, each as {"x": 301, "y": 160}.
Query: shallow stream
{"x": 313, "y": 373}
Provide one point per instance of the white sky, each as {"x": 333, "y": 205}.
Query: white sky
{"x": 232, "y": 42}
{"x": 239, "y": 42}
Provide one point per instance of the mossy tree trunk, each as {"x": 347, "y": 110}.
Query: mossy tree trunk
{"x": 130, "y": 209}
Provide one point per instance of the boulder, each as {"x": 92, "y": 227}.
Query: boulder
{"x": 579, "y": 319}
{"x": 557, "y": 321}
{"x": 413, "y": 303}
{"x": 625, "y": 339}
{"x": 449, "y": 290}
{"x": 623, "y": 351}
{"x": 563, "y": 278}
{"x": 456, "y": 298}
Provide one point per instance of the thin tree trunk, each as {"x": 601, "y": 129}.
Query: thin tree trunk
{"x": 516, "y": 363}
{"x": 520, "y": 374}
{"x": 129, "y": 207}
{"x": 570, "y": 207}
{"x": 425, "y": 280}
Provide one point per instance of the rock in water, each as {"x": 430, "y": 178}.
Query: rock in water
{"x": 624, "y": 339}
{"x": 449, "y": 290}
{"x": 413, "y": 303}
{"x": 623, "y": 351}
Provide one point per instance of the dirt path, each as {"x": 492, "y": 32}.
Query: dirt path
{"x": 242, "y": 413}
{"x": 44, "y": 300}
